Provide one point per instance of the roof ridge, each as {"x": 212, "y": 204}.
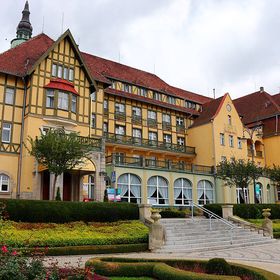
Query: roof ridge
{"x": 272, "y": 101}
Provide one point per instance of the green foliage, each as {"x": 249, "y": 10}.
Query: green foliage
{"x": 74, "y": 234}
{"x": 172, "y": 269}
{"x": 218, "y": 266}
{"x": 40, "y": 211}
{"x": 58, "y": 195}
{"x": 247, "y": 211}
{"x": 174, "y": 213}
{"x": 274, "y": 174}
{"x": 238, "y": 173}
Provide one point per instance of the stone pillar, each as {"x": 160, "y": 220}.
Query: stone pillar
{"x": 145, "y": 212}
{"x": 267, "y": 223}
{"x": 227, "y": 211}
{"x": 156, "y": 233}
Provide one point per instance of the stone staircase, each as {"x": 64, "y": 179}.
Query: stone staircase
{"x": 194, "y": 235}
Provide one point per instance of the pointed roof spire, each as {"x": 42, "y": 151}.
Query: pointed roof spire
{"x": 24, "y": 28}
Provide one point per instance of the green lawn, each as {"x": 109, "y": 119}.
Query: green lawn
{"x": 72, "y": 234}
{"x": 276, "y": 225}
{"x": 131, "y": 278}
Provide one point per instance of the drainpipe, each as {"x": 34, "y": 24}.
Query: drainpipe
{"x": 24, "y": 79}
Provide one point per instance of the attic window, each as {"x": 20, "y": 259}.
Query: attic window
{"x": 62, "y": 71}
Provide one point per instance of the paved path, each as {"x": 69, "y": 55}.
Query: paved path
{"x": 262, "y": 256}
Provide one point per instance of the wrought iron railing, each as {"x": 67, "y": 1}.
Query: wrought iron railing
{"x": 129, "y": 140}
{"x": 148, "y": 163}
{"x": 96, "y": 143}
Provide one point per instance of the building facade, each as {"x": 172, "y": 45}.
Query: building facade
{"x": 153, "y": 142}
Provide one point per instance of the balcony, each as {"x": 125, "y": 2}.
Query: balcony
{"x": 180, "y": 129}
{"x": 136, "y": 120}
{"x": 120, "y": 116}
{"x": 152, "y": 123}
{"x": 94, "y": 142}
{"x": 168, "y": 165}
{"x": 152, "y": 144}
{"x": 166, "y": 126}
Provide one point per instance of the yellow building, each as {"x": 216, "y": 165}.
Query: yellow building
{"x": 156, "y": 143}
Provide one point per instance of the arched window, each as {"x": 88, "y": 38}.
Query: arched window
{"x": 205, "y": 192}
{"x": 182, "y": 191}
{"x": 259, "y": 193}
{"x": 130, "y": 188}
{"x": 4, "y": 183}
{"x": 157, "y": 190}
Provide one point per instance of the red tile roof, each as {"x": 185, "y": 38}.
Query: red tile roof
{"x": 209, "y": 111}
{"x": 14, "y": 61}
{"x": 151, "y": 101}
{"x": 276, "y": 98}
{"x": 256, "y": 106}
{"x": 62, "y": 85}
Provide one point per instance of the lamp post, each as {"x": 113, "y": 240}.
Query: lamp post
{"x": 255, "y": 131}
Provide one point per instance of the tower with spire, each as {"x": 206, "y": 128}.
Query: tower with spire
{"x": 24, "y": 28}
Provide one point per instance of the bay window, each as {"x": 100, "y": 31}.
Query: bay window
{"x": 63, "y": 100}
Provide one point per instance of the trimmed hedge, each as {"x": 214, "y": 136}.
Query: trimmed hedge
{"x": 171, "y": 269}
{"x": 247, "y": 211}
{"x": 88, "y": 250}
{"x": 41, "y": 211}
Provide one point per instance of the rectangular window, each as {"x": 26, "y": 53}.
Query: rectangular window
{"x": 9, "y": 95}
{"x": 136, "y": 111}
{"x": 6, "y": 132}
{"x": 157, "y": 96}
{"x": 71, "y": 74}
{"x": 105, "y": 127}
{"x": 113, "y": 84}
{"x": 229, "y": 119}
{"x": 120, "y": 130}
{"x": 231, "y": 144}
{"x": 166, "y": 118}
{"x": 93, "y": 120}
{"x": 142, "y": 92}
{"x": 152, "y": 136}
{"x": 127, "y": 88}
{"x": 152, "y": 115}
{"x": 239, "y": 143}
{"x": 105, "y": 105}
{"x": 63, "y": 100}
{"x": 65, "y": 73}
{"x": 180, "y": 121}
{"x": 93, "y": 96}
{"x": 4, "y": 183}
{"x": 120, "y": 108}
{"x": 222, "y": 139}
{"x": 137, "y": 133}
{"x": 50, "y": 98}
{"x": 166, "y": 138}
{"x": 181, "y": 141}
{"x": 74, "y": 104}
{"x": 171, "y": 100}
{"x": 59, "y": 73}
{"x": 119, "y": 157}
{"x": 54, "y": 70}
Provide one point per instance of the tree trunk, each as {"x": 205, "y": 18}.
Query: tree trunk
{"x": 53, "y": 189}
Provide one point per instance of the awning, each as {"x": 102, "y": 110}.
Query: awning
{"x": 61, "y": 85}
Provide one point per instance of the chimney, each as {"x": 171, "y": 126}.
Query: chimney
{"x": 261, "y": 89}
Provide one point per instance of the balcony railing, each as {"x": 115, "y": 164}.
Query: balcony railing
{"x": 166, "y": 126}
{"x": 152, "y": 123}
{"x": 146, "y": 163}
{"x": 120, "y": 116}
{"x": 153, "y": 144}
{"x": 94, "y": 142}
{"x": 180, "y": 129}
{"x": 136, "y": 119}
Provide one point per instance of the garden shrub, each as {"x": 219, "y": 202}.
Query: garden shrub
{"x": 40, "y": 211}
{"x": 218, "y": 266}
{"x": 247, "y": 211}
{"x": 173, "y": 213}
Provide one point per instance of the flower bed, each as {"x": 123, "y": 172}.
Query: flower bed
{"x": 73, "y": 234}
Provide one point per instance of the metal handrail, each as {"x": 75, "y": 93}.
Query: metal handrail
{"x": 215, "y": 216}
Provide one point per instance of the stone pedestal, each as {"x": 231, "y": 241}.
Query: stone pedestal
{"x": 145, "y": 212}
{"x": 267, "y": 224}
{"x": 227, "y": 211}
{"x": 156, "y": 233}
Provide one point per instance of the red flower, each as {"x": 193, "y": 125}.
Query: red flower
{"x": 14, "y": 253}
{"x": 4, "y": 249}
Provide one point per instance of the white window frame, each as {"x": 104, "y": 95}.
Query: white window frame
{"x": 245, "y": 194}
{"x": 63, "y": 100}
{"x": 74, "y": 103}
{"x": 167, "y": 138}
{"x": 137, "y": 133}
{"x": 93, "y": 96}
{"x": 49, "y": 98}
{"x": 120, "y": 129}
{"x": 152, "y": 136}
{"x": 152, "y": 115}
{"x": 4, "y": 178}
{"x": 180, "y": 121}
{"x": 129, "y": 185}
{"x": 120, "y": 108}
{"x": 105, "y": 104}
{"x": 204, "y": 189}
{"x": 6, "y": 127}
{"x": 182, "y": 186}
{"x": 166, "y": 118}
{"x": 65, "y": 73}
{"x": 136, "y": 111}
{"x": 231, "y": 141}
{"x": 59, "y": 71}
{"x": 181, "y": 141}
{"x": 157, "y": 187}
{"x": 9, "y": 95}
{"x": 54, "y": 69}
{"x": 222, "y": 139}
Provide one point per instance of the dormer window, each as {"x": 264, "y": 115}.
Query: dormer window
{"x": 157, "y": 96}
{"x": 127, "y": 88}
{"x": 171, "y": 100}
{"x": 143, "y": 92}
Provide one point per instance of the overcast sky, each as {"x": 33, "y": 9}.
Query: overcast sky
{"x": 230, "y": 45}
